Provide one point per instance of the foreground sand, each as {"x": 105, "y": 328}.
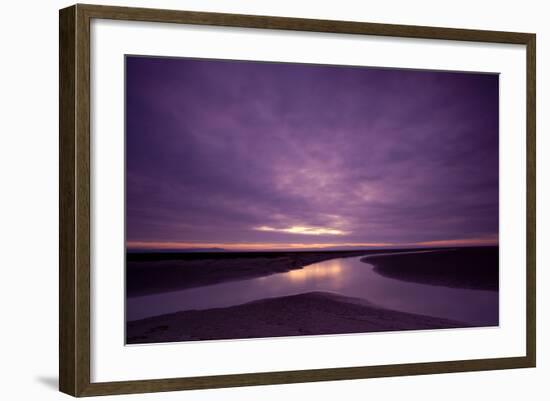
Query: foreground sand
{"x": 311, "y": 313}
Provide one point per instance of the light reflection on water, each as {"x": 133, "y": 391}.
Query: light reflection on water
{"x": 330, "y": 270}
{"x": 345, "y": 276}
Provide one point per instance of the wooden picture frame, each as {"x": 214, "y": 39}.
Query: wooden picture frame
{"x": 74, "y": 204}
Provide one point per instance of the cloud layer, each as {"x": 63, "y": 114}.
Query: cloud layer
{"x": 218, "y": 149}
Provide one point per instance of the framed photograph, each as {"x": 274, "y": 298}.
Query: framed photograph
{"x": 250, "y": 200}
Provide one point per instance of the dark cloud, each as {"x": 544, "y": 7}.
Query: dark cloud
{"x": 216, "y": 149}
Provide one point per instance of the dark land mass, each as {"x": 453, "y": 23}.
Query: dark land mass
{"x": 155, "y": 272}
{"x": 470, "y": 268}
{"x": 313, "y": 313}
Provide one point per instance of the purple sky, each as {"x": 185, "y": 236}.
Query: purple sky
{"x": 266, "y": 155}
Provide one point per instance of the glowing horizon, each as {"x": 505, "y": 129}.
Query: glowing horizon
{"x": 244, "y": 246}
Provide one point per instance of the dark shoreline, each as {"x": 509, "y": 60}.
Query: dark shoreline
{"x": 314, "y": 313}
{"x": 475, "y": 268}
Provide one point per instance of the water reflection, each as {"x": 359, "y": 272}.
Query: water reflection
{"x": 332, "y": 269}
{"x": 346, "y": 276}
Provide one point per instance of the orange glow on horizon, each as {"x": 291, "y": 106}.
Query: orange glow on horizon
{"x": 462, "y": 242}
{"x": 262, "y": 246}
{"x": 244, "y": 245}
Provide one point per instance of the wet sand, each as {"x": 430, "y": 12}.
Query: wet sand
{"x": 313, "y": 313}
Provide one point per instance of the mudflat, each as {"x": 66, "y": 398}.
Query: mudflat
{"x": 471, "y": 268}
{"x": 313, "y": 313}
